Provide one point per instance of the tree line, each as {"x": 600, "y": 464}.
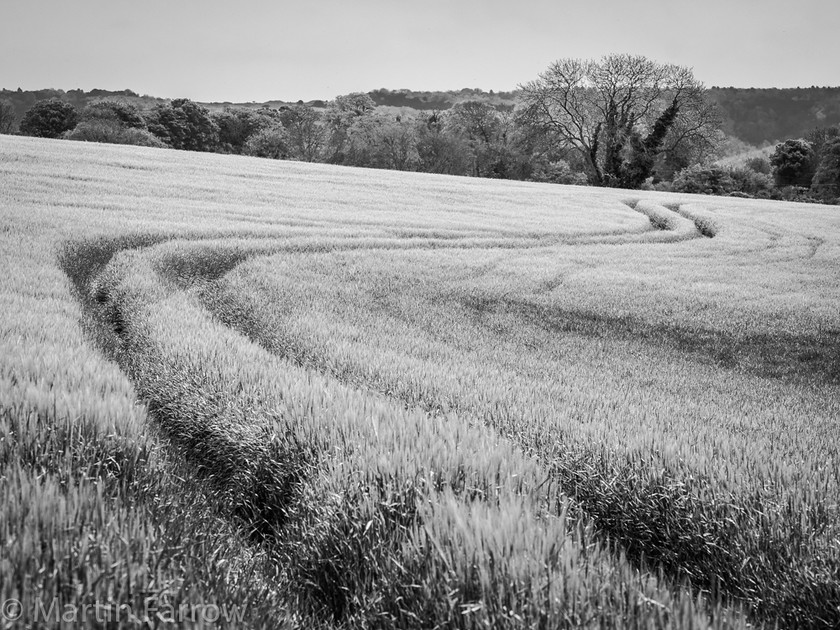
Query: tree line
{"x": 621, "y": 121}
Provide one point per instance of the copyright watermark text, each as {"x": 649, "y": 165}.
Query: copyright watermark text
{"x": 103, "y": 613}
{"x": 12, "y": 610}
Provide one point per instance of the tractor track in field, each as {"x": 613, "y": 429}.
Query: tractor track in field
{"x": 763, "y": 354}
{"x": 777, "y": 355}
{"x": 772, "y": 355}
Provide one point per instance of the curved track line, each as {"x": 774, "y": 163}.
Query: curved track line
{"x": 707, "y": 223}
{"x": 579, "y": 483}
{"x": 685, "y": 221}
{"x": 200, "y": 258}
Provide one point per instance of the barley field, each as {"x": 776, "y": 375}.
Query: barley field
{"x": 247, "y": 393}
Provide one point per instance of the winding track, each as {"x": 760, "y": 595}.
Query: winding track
{"x": 183, "y": 263}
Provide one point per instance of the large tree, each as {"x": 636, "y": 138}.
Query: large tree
{"x": 620, "y": 113}
{"x": 348, "y": 120}
{"x": 120, "y": 113}
{"x": 485, "y": 129}
{"x": 438, "y": 149}
{"x": 305, "y": 132}
{"x": 238, "y": 124}
{"x": 395, "y": 144}
{"x": 49, "y": 119}
{"x": 183, "y": 124}
{"x": 794, "y": 163}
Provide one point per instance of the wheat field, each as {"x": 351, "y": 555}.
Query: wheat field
{"x": 297, "y": 395}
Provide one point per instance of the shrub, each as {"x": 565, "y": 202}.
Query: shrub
{"x": 113, "y": 122}
{"x": 716, "y": 180}
{"x": 750, "y": 181}
{"x": 112, "y": 133}
{"x": 801, "y": 194}
{"x": 140, "y": 138}
{"x": 759, "y": 164}
{"x": 559, "y": 172}
{"x": 707, "y": 180}
{"x": 268, "y": 143}
{"x": 96, "y": 131}
{"x": 49, "y": 119}
{"x": 662, "y": 185}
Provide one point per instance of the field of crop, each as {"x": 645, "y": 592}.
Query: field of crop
{"x": 247, "y": 393}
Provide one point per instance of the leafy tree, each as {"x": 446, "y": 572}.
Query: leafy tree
{"x": 7, "y": 116}
{"x": 438, "y": 150}
{"x": 619, "y": 113}
{"x": 183, "y": 124}
{"x": 124, "y": 114}
{"x": 826, "y": 182}
{"x": 479, "y": 120}
{"x": 499, "y": 143}
{"x": 480, "y": 123}
{"x": 49, "y": 119}
{"x": 114, "y": 122}
{"x": 238, "y": 124}
{"x": 639, "y": 163}
{"x": 395, "y": 144}
{"x": 305, "y": 132}
{"x": 794, "y": 163}
{"x": 268, "y": 142}
{"x": 353, "y": 104}
{"x": 821, "y": 136}
{"x": 360, "y": 136}
{"x": 348, "y": 117}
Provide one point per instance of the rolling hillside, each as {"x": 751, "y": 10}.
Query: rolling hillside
{"x": 300, "y": 395}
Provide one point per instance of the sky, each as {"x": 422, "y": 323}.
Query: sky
{"x": 259, "y": 50}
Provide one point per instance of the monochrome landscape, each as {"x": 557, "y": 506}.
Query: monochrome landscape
{"x": 565, "y": 355}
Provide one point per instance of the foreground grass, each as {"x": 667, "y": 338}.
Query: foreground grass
{"x": 680, "y": 451}
{"x": 388, "y": 400}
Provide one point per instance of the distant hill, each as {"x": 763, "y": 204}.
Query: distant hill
{"x": 441, "y": 100}
{"x": 756, "y": 116}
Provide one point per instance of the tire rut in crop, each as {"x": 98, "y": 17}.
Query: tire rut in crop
{"x": 796, "y": 358}
{"x": 208, "y": 448}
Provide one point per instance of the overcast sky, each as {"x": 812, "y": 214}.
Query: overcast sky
{"x": 256, "y": 50}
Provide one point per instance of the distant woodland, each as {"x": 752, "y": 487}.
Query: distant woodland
{"x": 768, "y": 143}
{"x": 757, "y": 116}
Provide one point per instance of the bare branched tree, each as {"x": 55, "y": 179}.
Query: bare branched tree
{"x": 620, "y": 113}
